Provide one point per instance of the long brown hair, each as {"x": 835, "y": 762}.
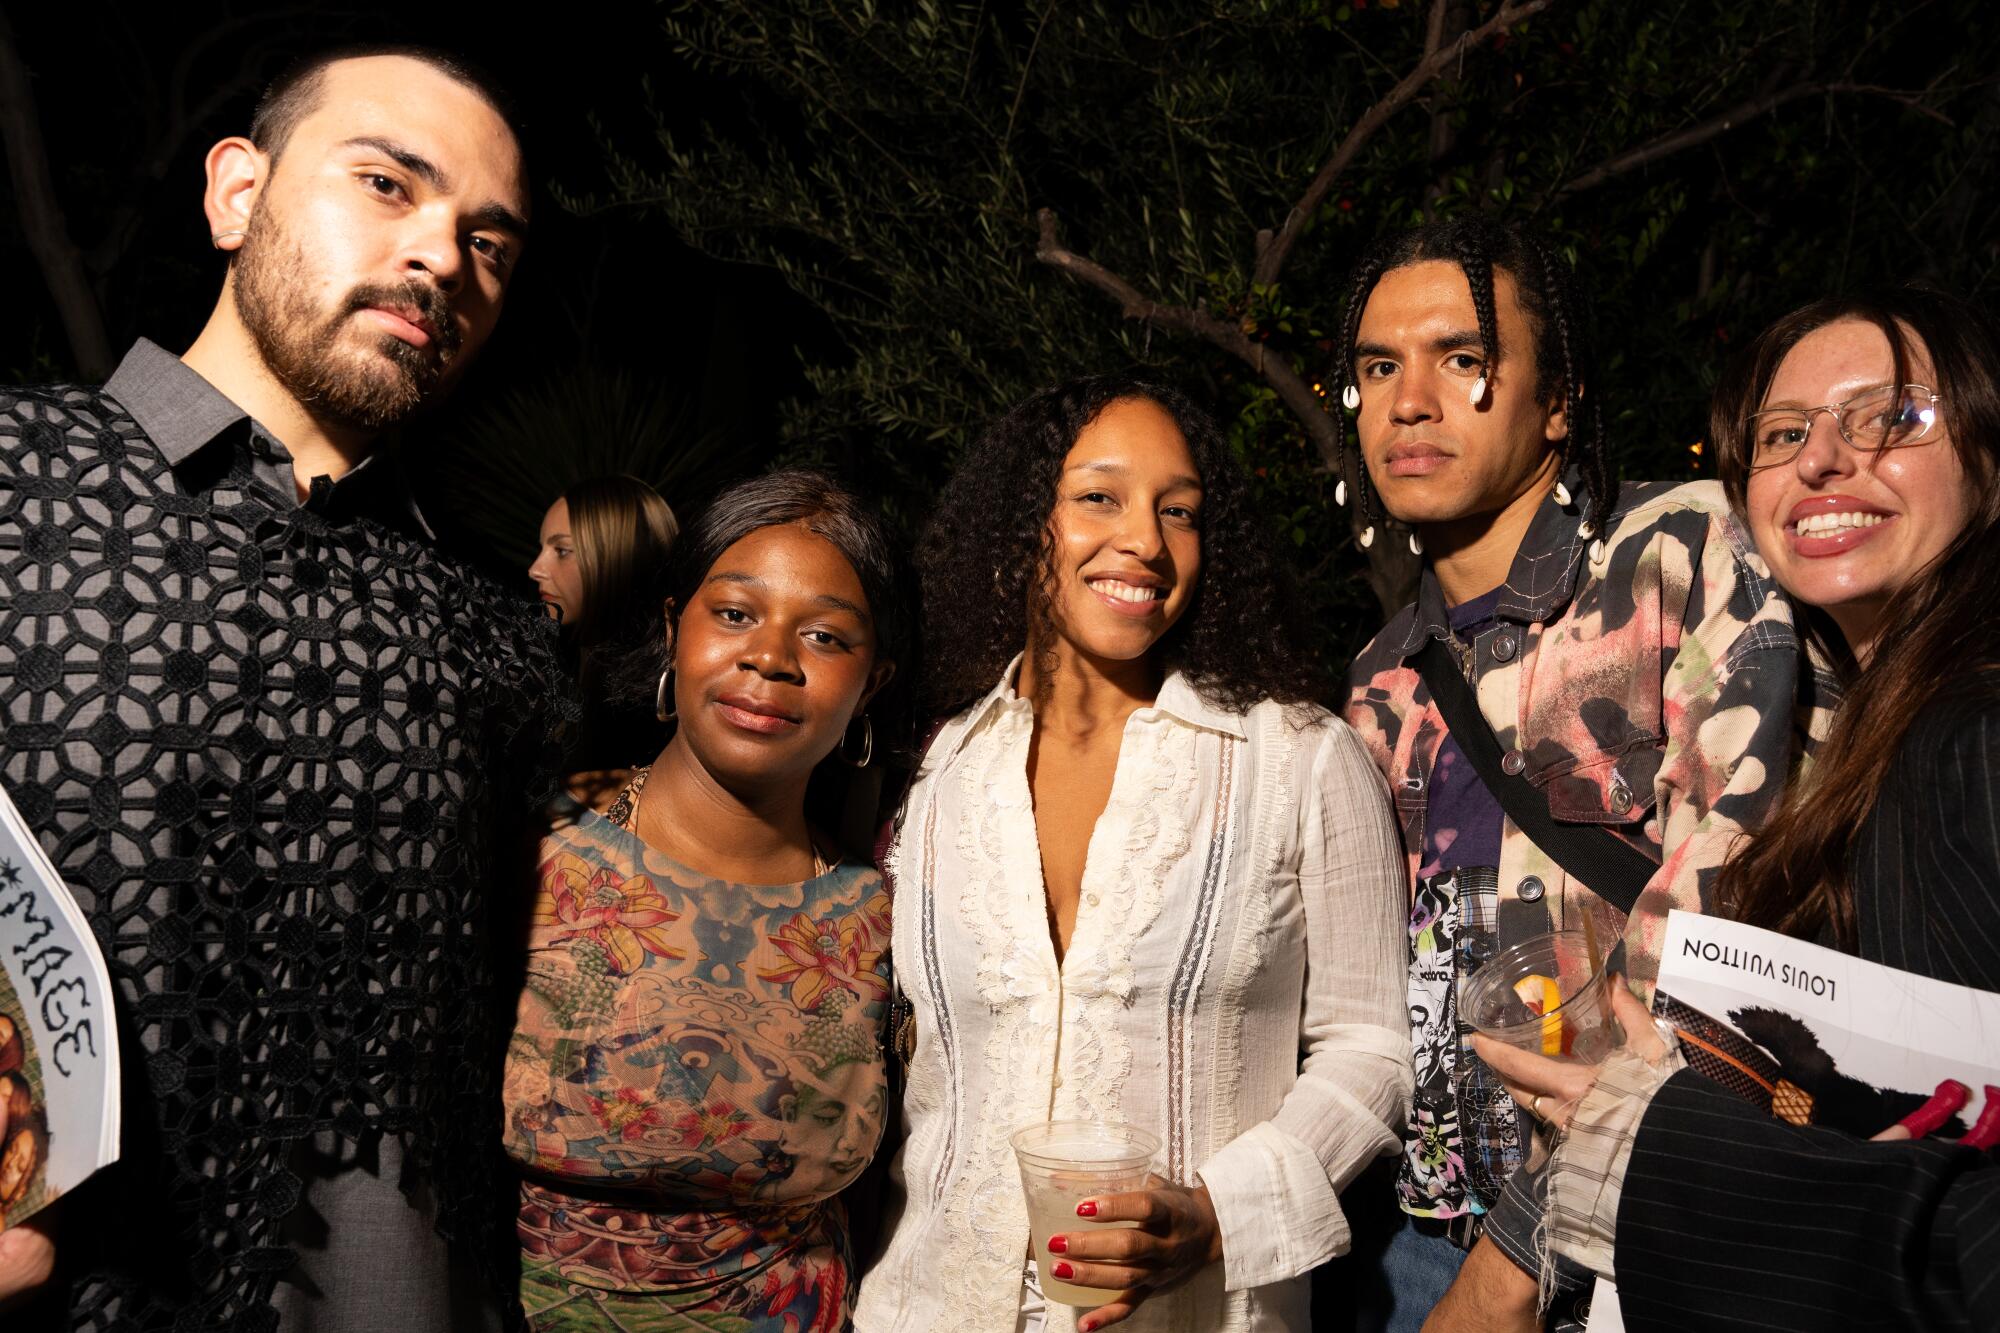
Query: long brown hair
{"x": 623, "y": 530}
{"x": 1794, "y": 875}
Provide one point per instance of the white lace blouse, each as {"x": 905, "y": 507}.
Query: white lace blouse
{"x": 1235, "y": 983}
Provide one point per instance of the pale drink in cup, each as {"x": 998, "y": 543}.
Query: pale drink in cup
{"x": 1064, "y": 1162}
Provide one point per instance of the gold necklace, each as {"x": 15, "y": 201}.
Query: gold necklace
{"x": 634, "y": 792}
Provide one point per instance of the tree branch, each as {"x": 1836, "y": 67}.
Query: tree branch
{"x": 1271, "y": 255}
{"x": 1716, "y": 126}
{"x": 1135, "y": 304}
{"x": 41, "y": 215}
{"x": 1274, "y": 368}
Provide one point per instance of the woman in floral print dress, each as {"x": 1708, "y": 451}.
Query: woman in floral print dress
{"x": 696, "y": 1070}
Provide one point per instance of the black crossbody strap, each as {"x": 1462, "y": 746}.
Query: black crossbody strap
{"x": 1611, "y": 868}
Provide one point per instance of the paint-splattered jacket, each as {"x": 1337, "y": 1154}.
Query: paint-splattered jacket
{"x": 1654, "y": 691}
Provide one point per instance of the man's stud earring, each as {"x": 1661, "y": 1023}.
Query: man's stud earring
{"x": 1350, "y": 398}
{"x": 216, "y": 238}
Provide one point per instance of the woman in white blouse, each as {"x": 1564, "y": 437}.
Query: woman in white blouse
{"x": 1140, "y": 877}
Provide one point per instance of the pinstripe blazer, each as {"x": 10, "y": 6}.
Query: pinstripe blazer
{"x": 1733, "y": 1219}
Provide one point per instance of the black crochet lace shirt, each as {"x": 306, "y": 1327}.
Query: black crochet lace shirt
{"x": 280, "y": 751}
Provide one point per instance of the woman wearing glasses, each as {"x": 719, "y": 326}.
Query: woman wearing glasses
{"x": 1861, "y": 441}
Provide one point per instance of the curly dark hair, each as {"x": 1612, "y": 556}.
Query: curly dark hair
{"x": 1557, "y": 311}
{"x": 987, "y": 560}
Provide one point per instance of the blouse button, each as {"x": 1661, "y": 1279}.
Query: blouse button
{"x": 1503, "y": 648}
{"x": 1531, "y": 889}
{"x": 1512, "y": 763}
{"x": 1090, "y": 898}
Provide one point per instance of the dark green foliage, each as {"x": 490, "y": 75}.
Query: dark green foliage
{"x": 889, "y": 162}
{"x": 503, "y": 463}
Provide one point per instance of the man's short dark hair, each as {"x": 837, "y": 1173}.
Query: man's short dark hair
{"x": 295, "y": 93}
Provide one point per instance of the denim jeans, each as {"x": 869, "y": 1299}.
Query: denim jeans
{"x": 1398, "y": 1269}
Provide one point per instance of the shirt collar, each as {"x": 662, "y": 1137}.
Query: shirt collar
{"x": 182, "y": 414}
{"x": 179, "y": 411}
{"x": 1178, "y": 699}
{"x": 1540, "y": 582}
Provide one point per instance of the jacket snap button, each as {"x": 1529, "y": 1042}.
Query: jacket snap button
{"x": 1621, "y": 795}
{"x": 1531, "y": 889}
{"x": 1503, "y": 648}
{"x": 1512, "y": 762}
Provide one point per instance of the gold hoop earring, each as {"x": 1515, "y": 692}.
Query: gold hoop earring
{"x": 867, "y": 744}
{"x": 661, "y": 708}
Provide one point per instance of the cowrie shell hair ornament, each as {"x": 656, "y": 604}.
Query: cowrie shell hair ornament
{"x": 1416, "y": 544}
{"x": 1340, "y": 492}
{"x": 1350, "y": 398}
{"x": 1479, "y": 391}
{"x": 1368, "y": 536}
{"x": 1562, "y": 494}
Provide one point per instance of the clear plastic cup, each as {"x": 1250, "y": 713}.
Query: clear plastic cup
{"x": 1547, "y": 994}
{"x": 1064, "y": 1162}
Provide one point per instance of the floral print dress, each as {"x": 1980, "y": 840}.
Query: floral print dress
{"x": 694, "y": 1075}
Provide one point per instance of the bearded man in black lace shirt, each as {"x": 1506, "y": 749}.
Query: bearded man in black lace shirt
{"x": 278, "y": 746}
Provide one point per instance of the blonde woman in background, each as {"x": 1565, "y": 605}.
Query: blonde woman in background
{"x": 600, "y": 571}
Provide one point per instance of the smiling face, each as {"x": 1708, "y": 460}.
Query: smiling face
{"x": 557, "y": 572}
{"x": 774, "y": 654}
{"x": 381, "y": 241}
{"x": 1844, "y": 529}
{"x": 1125, "y": 533}
{"x": 1434, "y": 455}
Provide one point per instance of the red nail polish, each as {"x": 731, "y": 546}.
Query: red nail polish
{"x": 1986, "y": 1132}
{"x": 1058, "y": 1244}
{"x": 1942, "y": 1106}
{"x": 1088, "y": 1208}
{"x": 1063, "y": 1270}
{"x": 1085, "y": 1326}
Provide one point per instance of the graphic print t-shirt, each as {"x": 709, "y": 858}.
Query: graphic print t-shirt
{"x": 1457, "y": 1143}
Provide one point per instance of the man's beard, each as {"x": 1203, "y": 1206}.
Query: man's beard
{"x": 302, "y": 347}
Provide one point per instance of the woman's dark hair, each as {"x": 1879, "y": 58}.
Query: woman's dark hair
{"x": 623, "y": 532}
{"x": 988, "y": 560}
{"x": 1794, "y": 875}
{"x": 824, "y": 508}
{"x": 1551, "y": 298}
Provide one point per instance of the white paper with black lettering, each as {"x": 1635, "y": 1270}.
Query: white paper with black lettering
{"x": 58, "y": 1036}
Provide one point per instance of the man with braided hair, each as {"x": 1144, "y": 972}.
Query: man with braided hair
{"x": 1625, "y": 644}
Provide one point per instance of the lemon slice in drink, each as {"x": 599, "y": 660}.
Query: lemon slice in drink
{"x": 1542, "y": 996}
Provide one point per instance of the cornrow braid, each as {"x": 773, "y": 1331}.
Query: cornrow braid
{"x": 1477, "y": 265}
{"x": 1342, "y": 377}
{"x": 1584, "y": 446}
{"x": 1552, "y": 298}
